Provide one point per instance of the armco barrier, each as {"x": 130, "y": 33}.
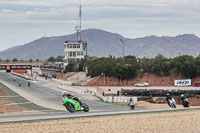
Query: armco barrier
{"x": 69, "y": 88}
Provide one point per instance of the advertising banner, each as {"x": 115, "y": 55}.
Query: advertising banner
{"x": 2, "y": 67}
{"x": 185, "y": 82}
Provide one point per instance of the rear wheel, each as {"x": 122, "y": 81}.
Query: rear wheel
{"x": 186, "y": 105}
{"x": 70, "y": 107}
{"x": 86, "y": 107}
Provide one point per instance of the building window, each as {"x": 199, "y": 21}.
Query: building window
{"x": 74, "y": 46}
{"x": 79, "y": 53}
{"x": 71, "y": 46}
{"x": 78, "y": 45}
{"x": 67, "y": 45}
{"x": 74, "y": 54}
{"x": 70, "y": 54}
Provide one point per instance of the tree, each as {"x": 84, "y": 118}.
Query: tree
{"x": 185, "y": 65}
{"x": 59, "y": 59}
{"x": 162, "y": 65}
{"x": 30, "y": 60}
{"x": 71, "y": 67}
{"x": 37, "y": 60}
{"x": 0, "y": 59}
{"x": 197, "y": 64}
{"x": 15, "y": 59}
{"x": 51, "y": 59}
{"x": 81, "y": 65}
{"x": 7, "y": 60}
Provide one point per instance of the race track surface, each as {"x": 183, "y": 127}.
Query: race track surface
{"x": 50, "y": 98}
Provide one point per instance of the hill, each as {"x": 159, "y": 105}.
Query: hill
{"x": 102, "y": 43}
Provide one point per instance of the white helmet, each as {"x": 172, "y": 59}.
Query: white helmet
{"x": 64, "y": 93}
{"x": 182, "y": 95}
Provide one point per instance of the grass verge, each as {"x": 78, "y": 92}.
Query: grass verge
{"x": 18, "y": 99}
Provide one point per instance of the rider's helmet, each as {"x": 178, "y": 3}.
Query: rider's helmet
{"x": 182, "y": 95}
{"x": 167, "y": 94}
{"x": 131, "y": 99}
{"x": 64, "y": 93}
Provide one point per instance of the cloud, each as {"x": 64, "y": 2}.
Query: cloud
{"x": 132, "y": 18}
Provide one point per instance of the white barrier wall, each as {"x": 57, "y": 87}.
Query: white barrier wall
{"x": 123, "y": 99}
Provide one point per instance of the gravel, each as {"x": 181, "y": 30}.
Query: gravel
{"x": 173, "y": 122}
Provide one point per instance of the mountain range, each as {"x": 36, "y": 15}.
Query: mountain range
{"x": 102, "y": 43}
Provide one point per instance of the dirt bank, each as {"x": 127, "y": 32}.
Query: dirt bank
{"x": 152, "y": 79}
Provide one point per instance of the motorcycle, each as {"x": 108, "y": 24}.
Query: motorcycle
{"x": 172, "y": 103}
{"x": 131, "y": 105}
{"x": 29, "y": 84}
{"x": 185, "y": 102}
{"x": 72, "y": 105}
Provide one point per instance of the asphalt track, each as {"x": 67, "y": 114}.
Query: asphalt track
{"x": 51, "y": 98}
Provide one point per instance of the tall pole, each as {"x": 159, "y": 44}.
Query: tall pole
{"x": 80, "y": 16}
{"x": 104, "y": 79}
{"x": 123, "y": 41}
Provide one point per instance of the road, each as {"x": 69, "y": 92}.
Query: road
{"x": 50, "y": 97}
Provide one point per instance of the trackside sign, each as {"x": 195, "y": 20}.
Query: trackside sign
{"x": 185, "y": 82}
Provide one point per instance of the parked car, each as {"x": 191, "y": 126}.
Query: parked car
{"x": 142, "y": 84}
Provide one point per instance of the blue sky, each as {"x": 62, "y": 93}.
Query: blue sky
{"x": 22, "y": 21}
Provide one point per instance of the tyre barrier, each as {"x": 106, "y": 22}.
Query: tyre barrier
{"x": 158, "y": 92}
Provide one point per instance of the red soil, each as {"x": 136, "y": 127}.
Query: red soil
{"x": 152, "y": 79}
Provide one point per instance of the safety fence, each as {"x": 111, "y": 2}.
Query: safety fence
{"x": 113, "y": 99}
{"x": 158, "y": 92}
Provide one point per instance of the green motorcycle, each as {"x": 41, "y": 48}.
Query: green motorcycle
{"x": 72, "y": 105}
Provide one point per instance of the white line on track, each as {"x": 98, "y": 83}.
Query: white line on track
{"x": 36, "y": 111}
{"x": 18, "y": 103}
{"x": 9, "y": 96}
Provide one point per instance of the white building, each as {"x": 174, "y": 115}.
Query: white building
{"x": 74, "y": 50}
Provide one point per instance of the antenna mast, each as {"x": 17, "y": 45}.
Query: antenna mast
{"x": 80, "y": 16}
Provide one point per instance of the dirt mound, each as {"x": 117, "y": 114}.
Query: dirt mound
{"x": 194, "y": 101}
{"x": 148, "y": 105}
{"x": 62, "y": 76}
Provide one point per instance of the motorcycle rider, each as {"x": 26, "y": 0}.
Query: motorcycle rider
{"x": 168, "y": 97}
{"x": 131, "y": 103}
{"x": 29, "y": 84}
{"x": 184, "y": 101}
{"x": 182, "y": 97}
{"x": 20, "y": 84}
{"x": 68, "y": 95}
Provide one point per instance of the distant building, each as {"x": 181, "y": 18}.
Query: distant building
{"x": 74, "y": 50}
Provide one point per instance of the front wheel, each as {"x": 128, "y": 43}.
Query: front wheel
{"x": 173, "y": 105}
{"x": 70, "y": 107}
{"x": 86, "y": 107}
